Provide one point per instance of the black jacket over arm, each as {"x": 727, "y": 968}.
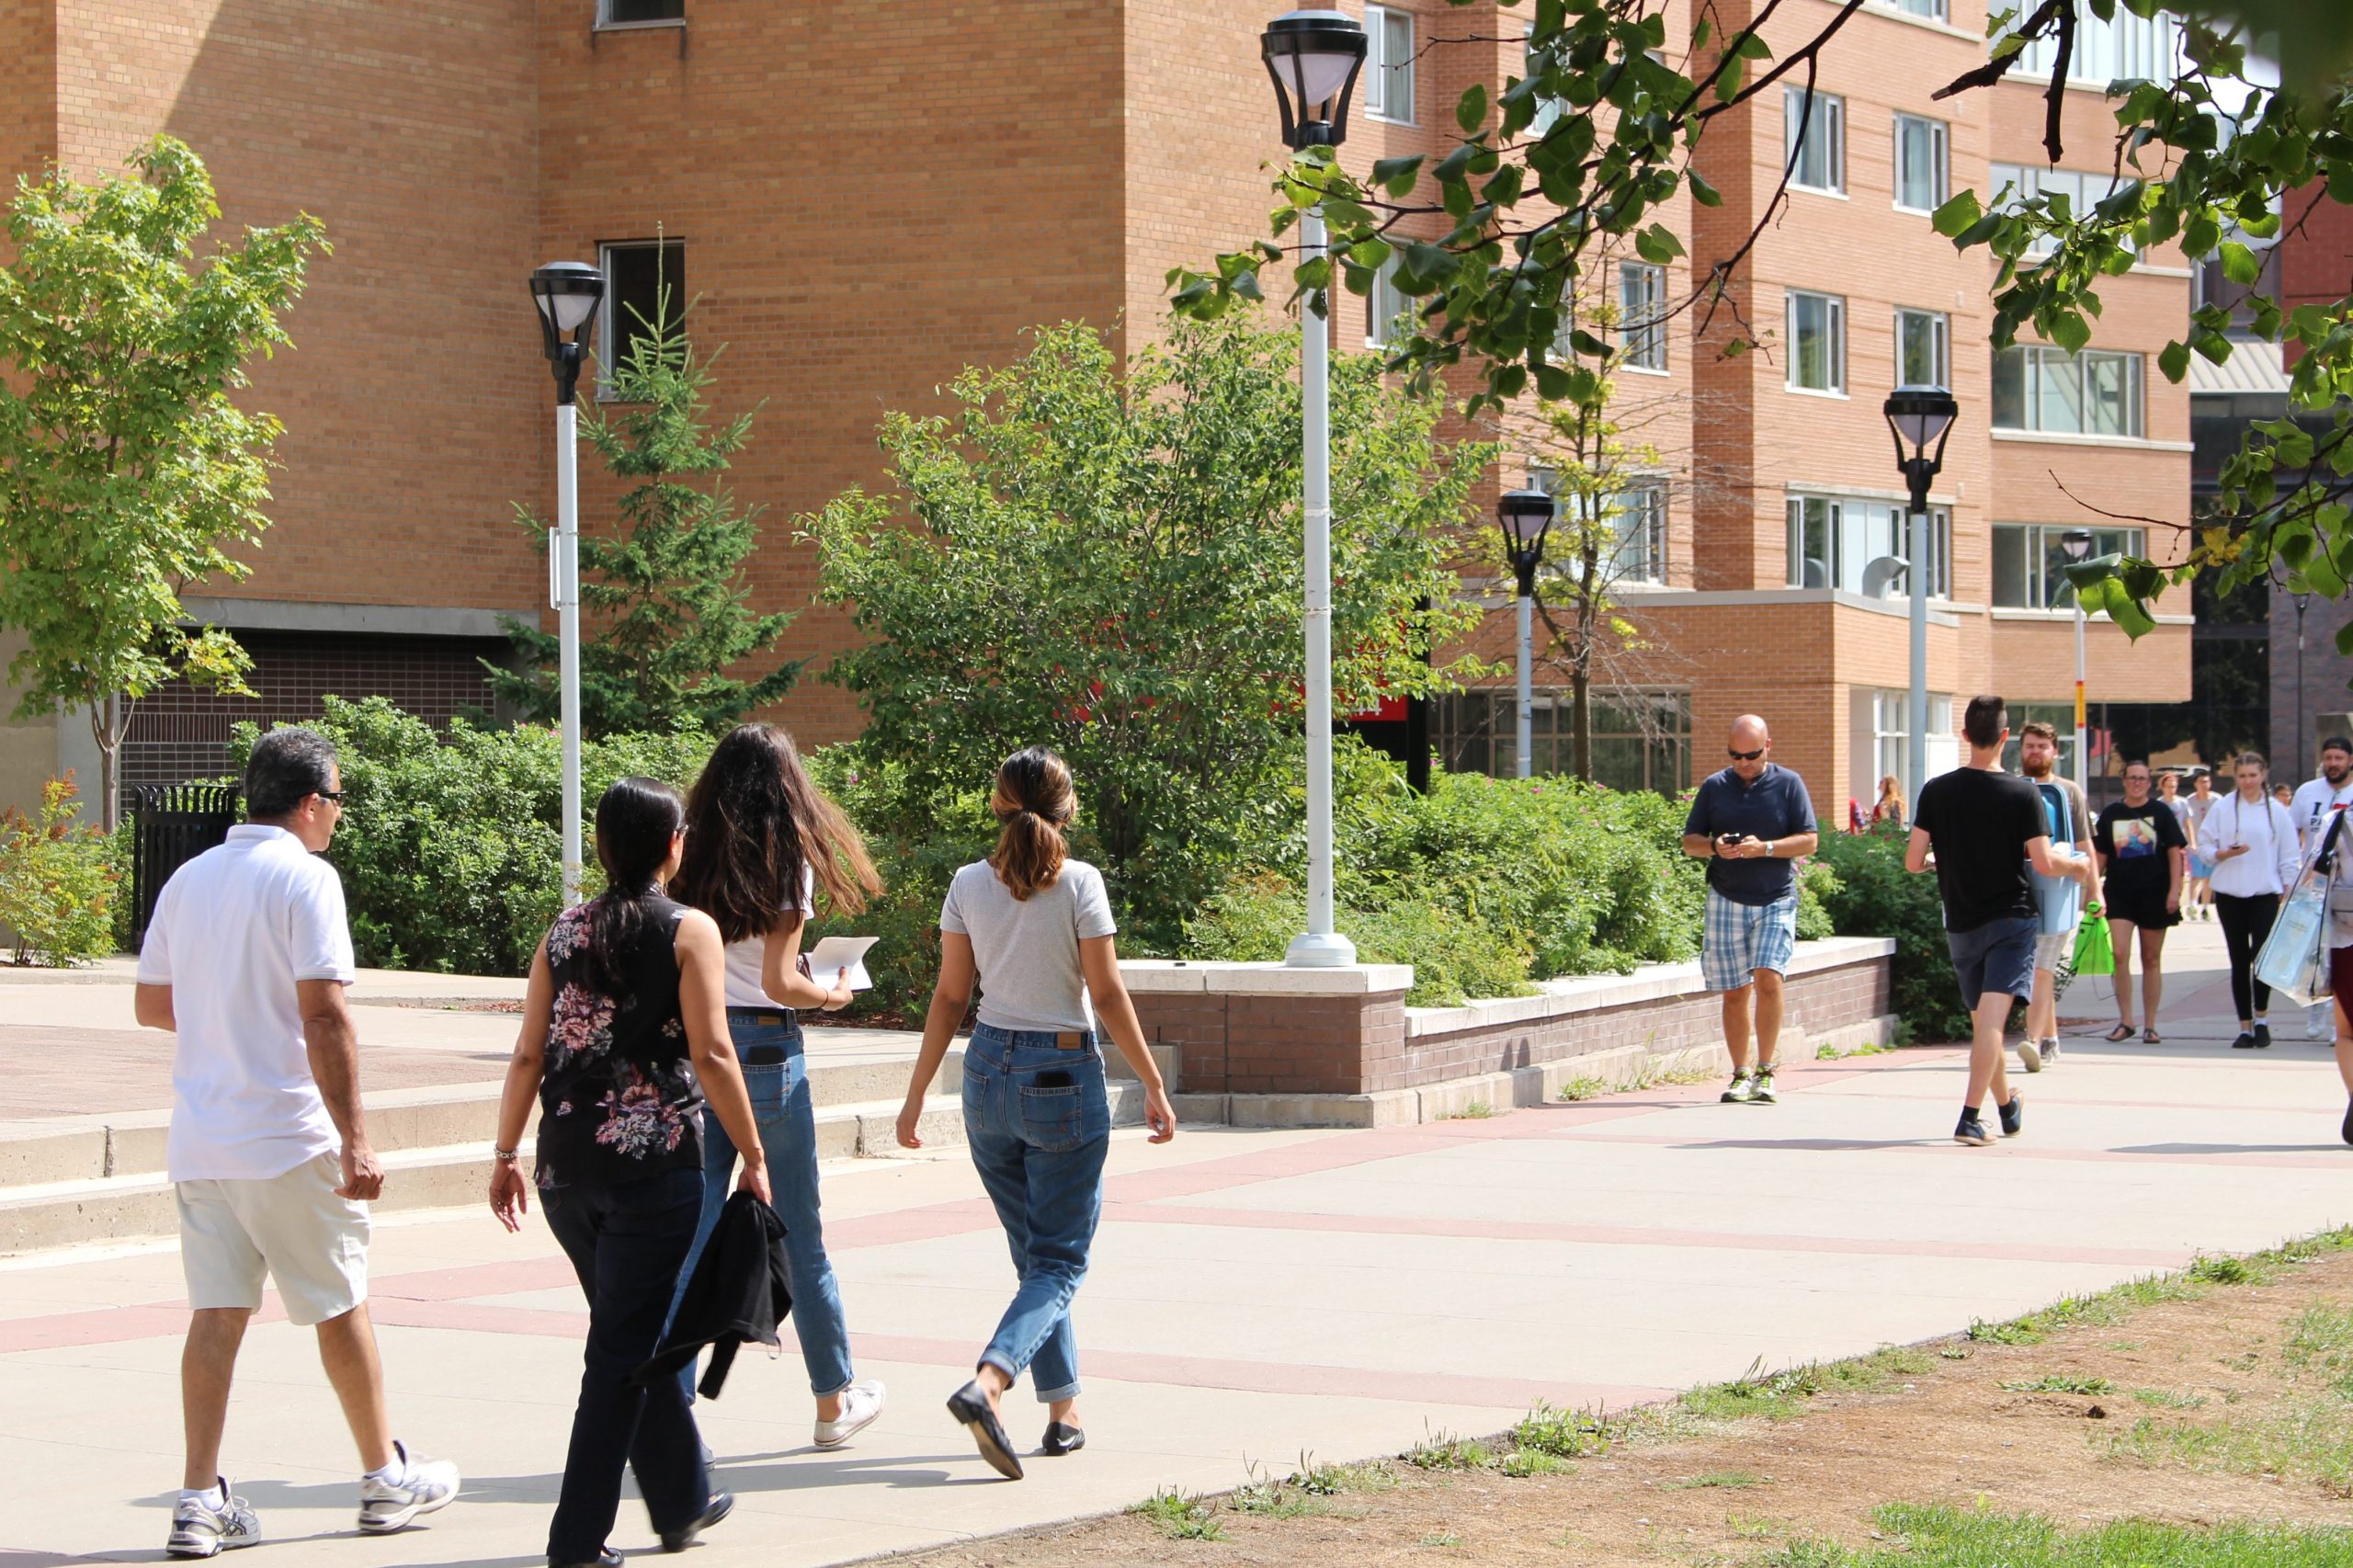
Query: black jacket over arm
{"x": 740, "y": 1291}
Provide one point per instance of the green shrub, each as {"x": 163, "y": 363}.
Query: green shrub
{"x": 450, "y": 848}
{"x": 1255, "y": 919}
{"x": 58, "y": 883}
{"x": 1873, "y": 895}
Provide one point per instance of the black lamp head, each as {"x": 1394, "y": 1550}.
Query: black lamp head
{"x": 1314, "y": 57}
{"x": 567, "y": 294}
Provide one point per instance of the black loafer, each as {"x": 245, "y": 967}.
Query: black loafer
{"x": 2347, "y": 1128}
{"x": 969, "y": 1406}
{"x": 2246, "y": 1041}
{"x": 1063, "y": 1440}
{"x": 722, "y": 1503}
{"x": 607, "y": 1558}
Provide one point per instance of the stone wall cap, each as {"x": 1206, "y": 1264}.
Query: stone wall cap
{"x": 1651, "y": 983}
{"x": 1168, "y": 976}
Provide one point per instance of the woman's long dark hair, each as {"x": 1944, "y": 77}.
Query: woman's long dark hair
{"x": 636, "y": 820}
{"x": 1034, "y": 801}
{"x": 754, "y": 822}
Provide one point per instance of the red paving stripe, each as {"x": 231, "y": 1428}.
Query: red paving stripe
{"x": 1118, "y": 1366}
{"x": 2315, "y": 1157}
{"x": 1636, "y": 1235}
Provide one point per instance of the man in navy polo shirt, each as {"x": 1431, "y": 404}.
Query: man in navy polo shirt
{"x": 1748, "y": 821}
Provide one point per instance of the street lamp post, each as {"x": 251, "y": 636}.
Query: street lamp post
{"x": 1314, "y": 57}
{"x": 1525, "y": 516}
{"x": 567, "y": 294}
{"x": 2077, "y": 544}
{"x": 1921, "y": 418}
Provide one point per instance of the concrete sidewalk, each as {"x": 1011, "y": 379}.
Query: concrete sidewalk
{"x": 1254, "y": 1295}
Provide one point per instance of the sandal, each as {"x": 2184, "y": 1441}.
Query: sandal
{"x": 2150, "y": 1037}
{"x": 2119, "y": 1034}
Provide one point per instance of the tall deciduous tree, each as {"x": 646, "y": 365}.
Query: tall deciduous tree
{"x": 127, "y": 469}
{"x": 665, "y": 594}
{"x": 1106, "y": 561}
{"x": 1605, "y": 126}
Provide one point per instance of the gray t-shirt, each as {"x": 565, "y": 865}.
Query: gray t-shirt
{"x": 1027, "y": 949}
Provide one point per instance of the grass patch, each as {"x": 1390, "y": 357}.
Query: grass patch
{"x": 1952, "y": 1538}
{"x": 1332, "y": 1480}
{"x": 1560, "y": 1434}
{"x": 2169, "y": 1398}
{"x": 1180, "y": 1516}
{"x": 2310, "y": 1441}
{"x": 1477, "y": 1110}
{"x": 2320, "y": 1345}
{"x": 1442, "y": 1451}
{"x": 2060, "y": 1382}
{"x": 1729, "y": 1480}
{"x": 1583, "y": 1088}
{"x": 1521, "y": 1463}
{"x": 1869, "y": 1048}
{"x": 1444, "y": 1539}
{"x": 1782, "y": 1396}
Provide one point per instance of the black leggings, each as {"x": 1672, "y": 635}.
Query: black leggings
{"x": 2245, "y": 922}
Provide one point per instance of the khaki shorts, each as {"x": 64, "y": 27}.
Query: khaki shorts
{"x": 313, "y": 1244}
{"x": 2052, "y": 948}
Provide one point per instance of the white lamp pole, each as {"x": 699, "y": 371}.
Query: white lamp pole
{"x": 2077, "y": 543}
{"x": 1314, "y": 57}
{"x": 567, "y": 294}
{"x": 1921, "y": 419}
{"x": 1525, "y": 516}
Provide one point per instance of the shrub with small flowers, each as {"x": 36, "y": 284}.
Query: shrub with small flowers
{"x": 58, "y": 883}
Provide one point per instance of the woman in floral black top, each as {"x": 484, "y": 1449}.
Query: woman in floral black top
{"x": 624, "y": 1037}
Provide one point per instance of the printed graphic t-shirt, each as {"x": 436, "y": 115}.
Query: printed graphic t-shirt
{"x": 2132, "y": 843}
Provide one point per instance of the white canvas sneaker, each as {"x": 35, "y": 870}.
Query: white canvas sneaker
{"x": 862, "y": 1402}
{"x": 425, "y": 1484}
{"x": 199, "y": 1529}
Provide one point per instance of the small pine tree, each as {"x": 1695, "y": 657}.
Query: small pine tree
{"x": 662, "y": 600}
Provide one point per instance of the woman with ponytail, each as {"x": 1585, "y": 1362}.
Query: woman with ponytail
{"x": 624, "y": 1041}
{"x": 1033, "y": 927}
{"x": 761, "y": 840}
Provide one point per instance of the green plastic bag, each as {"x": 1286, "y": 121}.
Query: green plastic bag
{"x": 2095, "y": 950}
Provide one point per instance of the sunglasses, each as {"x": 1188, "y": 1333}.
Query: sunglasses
{"x": 335, "y": 795}
{"x": 1745, "y": 756}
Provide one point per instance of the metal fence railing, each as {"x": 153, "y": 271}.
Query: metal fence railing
{"x": 174, "y": 823}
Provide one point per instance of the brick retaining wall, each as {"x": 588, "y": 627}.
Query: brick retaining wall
{"x": 1265, "y": 1029}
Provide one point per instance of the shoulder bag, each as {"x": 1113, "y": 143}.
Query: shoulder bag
{"x": 2294, "y": 959}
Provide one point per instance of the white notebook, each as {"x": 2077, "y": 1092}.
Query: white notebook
{"x": 833, "y": 954}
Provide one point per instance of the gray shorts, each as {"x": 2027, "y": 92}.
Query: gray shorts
{"x": 1997, "y": 958}
{"x": 2053, "y": 948}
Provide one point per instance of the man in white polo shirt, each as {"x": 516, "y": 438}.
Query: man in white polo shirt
{"x": 245, "y": 958}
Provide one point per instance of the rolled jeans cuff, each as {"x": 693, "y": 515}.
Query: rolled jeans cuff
{"x": 1050, "y": 1396}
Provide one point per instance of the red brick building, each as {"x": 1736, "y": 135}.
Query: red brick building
{"x": 865, "y": 198}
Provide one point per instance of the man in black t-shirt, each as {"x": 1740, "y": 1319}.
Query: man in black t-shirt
{"x": 1985, "y": 827}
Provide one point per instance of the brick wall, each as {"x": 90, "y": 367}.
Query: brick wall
{"x": 180, "y": 733}
{"x": 1253, "y": 1043}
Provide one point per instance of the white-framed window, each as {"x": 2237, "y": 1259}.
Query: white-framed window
{"x": 1388, "y": 311}
{"x": 642, "y": 279}
{"x": 640, "y": 13}
{"x": 2125, "y": 48}
{"x": 2095, "y": 393}
{"x": 1642, "y": 739}
{"x": 1833, "y": 539}
{"x": 1817, "y": 339}
{"x": 1934, "y": 10}
{"x": 1814, "y": 140}
{"x": 1891, "y": 741}
{"x": 1637, "y": 516}
{"x": 1923, "y": 349}
{"x": 1641, "y": 310}
{"x": 1921, "y": 160}
{"x": 2030, "y": 562}
{"x": 1389, "y": 63}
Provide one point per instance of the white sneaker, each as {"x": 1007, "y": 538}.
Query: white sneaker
{"x": 862, "y": 1402}
{"x": 2314, "y": 1020}
{"x": 424, "y": 1486}
{"x": 198, "y": 1530}
{"x": 2030, "y": 1055}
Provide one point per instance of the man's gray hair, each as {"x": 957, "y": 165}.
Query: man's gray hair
{"x": 286, "y": 766}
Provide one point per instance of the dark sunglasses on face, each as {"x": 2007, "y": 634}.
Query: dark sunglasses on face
{"x": 335, "y": 795}
{"x": 1745, "y": 755}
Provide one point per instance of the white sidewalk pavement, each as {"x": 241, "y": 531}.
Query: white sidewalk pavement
{"x": 1255, "y": 1294}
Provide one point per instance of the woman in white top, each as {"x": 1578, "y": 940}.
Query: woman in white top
{"x": 1034, "y": 928}
{"x": 2250, "y": 841}
{"x": 760, "y": 840}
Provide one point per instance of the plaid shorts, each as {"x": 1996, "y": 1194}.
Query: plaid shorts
{"x": 1739, "y": 938}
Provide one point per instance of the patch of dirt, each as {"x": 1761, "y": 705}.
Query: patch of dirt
{"x": 1734, "y": 1493}
{"x": 445, "y": 1004}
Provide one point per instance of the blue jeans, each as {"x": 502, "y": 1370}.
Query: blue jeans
{"x": 627, "y": 1243}
{"x": 787, "y": 1123}
{"x": 1039, "y": 1124}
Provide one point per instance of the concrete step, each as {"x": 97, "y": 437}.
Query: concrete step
{"x": 79, "y": 1212}
{"x": 93, "y": 1148}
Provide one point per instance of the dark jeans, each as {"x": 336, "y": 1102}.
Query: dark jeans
{"x": 2245, "y": 922}
{"x": 627, "y": 1243}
